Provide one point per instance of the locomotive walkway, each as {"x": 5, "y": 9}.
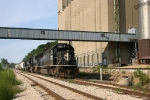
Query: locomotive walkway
{"x": 48, "y": 34}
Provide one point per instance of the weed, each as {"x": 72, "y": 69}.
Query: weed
{"x": 148, "y": 68}
{"x": 97, "y": 69}
{"x": 144, "y": 78}
{"x": 131, "y": 81}
{"x": 123, "y": 72}
{"x": 118, "y": 90}
{"x": 139, "y": 71}
{"x": 135, "y": 74}
{"x": 8, "y": 84}
{"x": 145, "y": 90}
{"x": 69, "y": 80}
{"x": 114, "y": 71}
{"x": 137, "y": 86}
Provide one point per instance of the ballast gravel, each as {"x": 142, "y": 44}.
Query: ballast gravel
{"x": 63, "y": 92}
{"x": 30, "y": 92}
{"x": 106, "y": 94}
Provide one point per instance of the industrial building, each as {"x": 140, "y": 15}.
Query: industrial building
{"x": 118, "y": 16}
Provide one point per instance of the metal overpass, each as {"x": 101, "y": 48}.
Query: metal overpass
{"x": 48, "y": 34}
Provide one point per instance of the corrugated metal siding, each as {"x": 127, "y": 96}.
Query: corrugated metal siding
{"x": 144, "y": 49}
{"x": 41, "y": 34}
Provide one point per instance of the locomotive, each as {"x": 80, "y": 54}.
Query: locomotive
{"x": 56, "y": 61}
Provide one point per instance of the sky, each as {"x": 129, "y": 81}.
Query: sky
{"x": 39, "y": 14}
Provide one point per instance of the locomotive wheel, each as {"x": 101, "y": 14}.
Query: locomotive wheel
{"x": 52, "y": 72}
{"x": 39, "y": 70}
{"x": 33, "y": 69}
{"x": 61, "y": 74}
{"x": 48, "y": 71}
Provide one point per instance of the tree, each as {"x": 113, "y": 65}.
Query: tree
{"x": 39, "y": 49}
{"x": 5, "y": 63}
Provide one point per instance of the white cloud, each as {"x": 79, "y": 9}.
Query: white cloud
{"x": 13, "y": 12}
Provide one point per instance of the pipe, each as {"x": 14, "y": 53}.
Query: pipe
{"x": 116, "y": 15}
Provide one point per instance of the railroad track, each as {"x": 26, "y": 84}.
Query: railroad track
{"x": 123, "y": 89}
{"x": 57, "y": 96}
{"x": 51, "y": 93}
{"x": 145, "y": 70}
{"x": 122, "y": 68}
{"x": 129, "y": 68}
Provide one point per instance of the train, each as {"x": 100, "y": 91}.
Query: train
{"x": 56, "y": 61}
{"x": 19, "y": 65}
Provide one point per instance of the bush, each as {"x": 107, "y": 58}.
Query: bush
{"x": 138, "y": 73}
{"x": 144, "y": 78}
{"x": 8, "y": 84}
{"x": 135, "y": 74}
{"x": 1, "y": 67}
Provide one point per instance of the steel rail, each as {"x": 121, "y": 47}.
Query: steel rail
{"x": 120, "y": 87}
{"x": 53, "y": 94}
{"x": 72, "y": 89}
{"x": 130, "y": 68}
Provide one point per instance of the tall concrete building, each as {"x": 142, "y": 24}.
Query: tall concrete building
{"x": 116, "y": 16}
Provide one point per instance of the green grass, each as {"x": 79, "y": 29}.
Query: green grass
{"x": 8, "y": 84}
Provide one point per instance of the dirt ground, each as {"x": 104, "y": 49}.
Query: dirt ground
{"x": 111, "y": 75}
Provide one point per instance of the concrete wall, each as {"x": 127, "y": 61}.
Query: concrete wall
{"x": 128, "y": 15}
{"x": 96, "y": 16}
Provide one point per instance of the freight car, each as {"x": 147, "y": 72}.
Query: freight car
{"x": 20, "y": 65}
{"x": 56, "y": 61}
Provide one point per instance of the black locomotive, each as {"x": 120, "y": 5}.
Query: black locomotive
{"x": 56, "y": 61}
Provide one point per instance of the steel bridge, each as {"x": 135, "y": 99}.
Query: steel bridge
{"x": 65, "y": 35}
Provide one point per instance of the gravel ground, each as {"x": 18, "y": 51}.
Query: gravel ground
{"x": 30, "y": 92}
{"x": 107, "y": 94}
{"x": 63, "y": 92}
